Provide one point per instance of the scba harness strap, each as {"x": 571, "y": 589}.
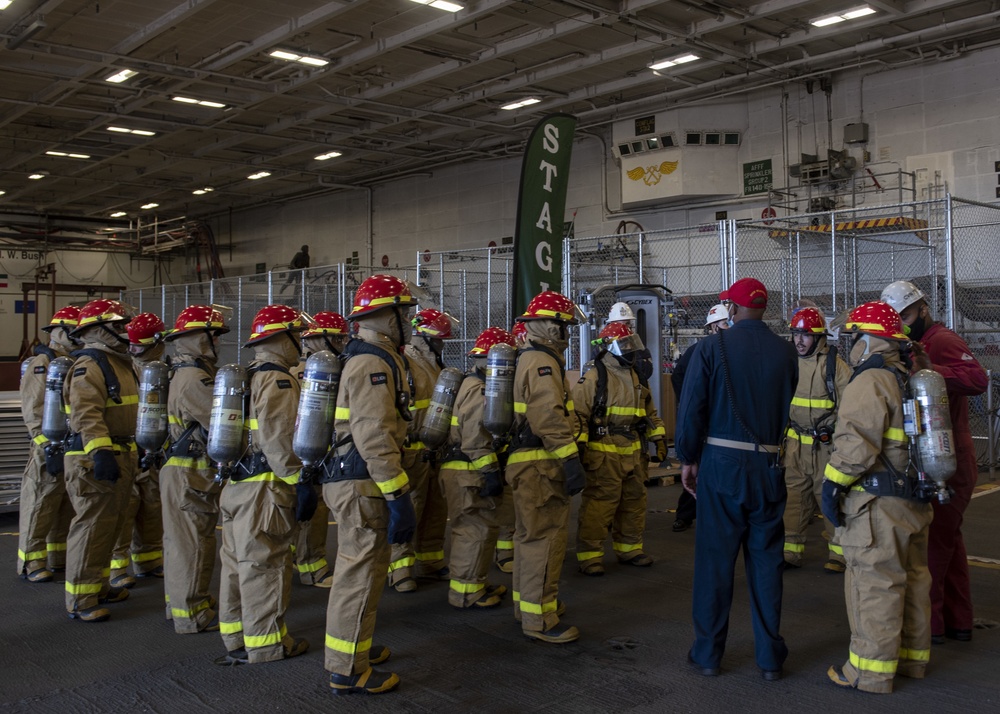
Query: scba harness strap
{"x": 111, "y": 382}
{"x": 255, "y": 462}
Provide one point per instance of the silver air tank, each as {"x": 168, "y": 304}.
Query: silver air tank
{"x": 151, "y": 422}
{"x": 498, "y": 410}
{"x": 317, "y": 401}
{"x": 55, "y": 420}
{"x": 934, "y": 440}
{"x": 225, "y": 427}
{"x": 437, "y": 421}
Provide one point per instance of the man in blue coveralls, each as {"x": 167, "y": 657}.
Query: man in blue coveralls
{"x": 732, "y": 415}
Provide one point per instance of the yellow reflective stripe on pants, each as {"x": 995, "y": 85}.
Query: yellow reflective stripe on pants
{"x": 614, "y": 449}
{"x": 836, "y": 549}
{"x": 533, "y": 608}
{"x": 874, "y": 665}
{"x": 271, "y": 638}
{"x": 915, "y": 655}
{"x": 83, "y": 588}
{"x": 189, "y": 463}
{"x": 458, "y": 466}
{"x": 461, "y": 587}
{"x": 589, "y": 555}
{"x": 119, "y": 563}
{"x": 626, "y": 547}
{"x": 505, "y": 545}
{"x": 311, "y": 567}
{"x": 432, "y": 556}
{"x": 189, "y": 614}
{"x": 230, "y": 628}
{"x": 393, "y": 484}
{"x": 144, "y": 557}
{"x": 346, "y": 646}
{"x": 523, "y": 455}
{"x": 270, "y": 476}
{"x": 795, "y": 547}
{"x": 407, "y": 562}
{"x": 55, "y": 547}
{"x": 33, "y": 555}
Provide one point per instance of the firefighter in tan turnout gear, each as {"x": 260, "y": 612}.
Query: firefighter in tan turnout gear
{"x": 424, "y": 557}
{"x": 327, "y": 331}
{"x": 543, "y": 468}
{"x": 188, "y": 490}
{"x": 45, "y": 510}
{"x": 618, "y": 411}
{"x": 259, "y": 503}
{"x": 869, "y": 491}
{"x": 823, "y": 375}
{"x": 504, "y": 557}
{"x": 102, "y": 394}
{"x": 365, "y": 485}
{"x": 473, "y": 482}
{"x": 140, "y": 540}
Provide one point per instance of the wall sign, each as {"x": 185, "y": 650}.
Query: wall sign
{"x": 757, "y": 177}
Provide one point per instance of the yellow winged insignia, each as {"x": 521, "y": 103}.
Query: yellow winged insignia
{"x": 668, "y": 167}
{"x": 651, "y": 175}
{"x": 637, "y": 173}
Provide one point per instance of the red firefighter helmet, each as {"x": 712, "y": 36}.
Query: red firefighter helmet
{"x": 326, "y": 323}
{"x": 551, "y": 305}
{"x": 66, "y": 317}
{"x": 519, "y": 331}
{"x": 144, "y": 328}
{"x": 614, "y": 330}
{"x": 380, "y": 291}
{"x": 809, "y": 321}
{"x": 273, "y": 320}
{"x": 434, "y": 323}
{"x": 489, "y": 337}
{"x": 101, "y": 312}
{"x": 876, "y": 318}
{"x": 198, "y": 317}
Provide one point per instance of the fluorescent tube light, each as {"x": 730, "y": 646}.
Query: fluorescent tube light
{"x": 36, "y": 176}
{"x": 852, "y": 14}
{"x": 148, "y": 206}
{"x": 314, "y": 61}
{"x": 79, "y": 156}
{"x": 118, "y": 214}
{"x": 4, "y": 4}
{"x": 125, "y": 130}
{"x": 120, "y": 76}
{"x": 285, "y": 55}
{"x": 202, "y": 191}
{"x": 683, "y": 59}
{"x": 289, "y": 56}
{"x": 328, "y": 155}
{"x": 185, "y": 100}
{"x": 521, "y": 103}
{"x": 259, "y": 175}
{"x": 448, "y": 6}
{"x": 55, "y": 153}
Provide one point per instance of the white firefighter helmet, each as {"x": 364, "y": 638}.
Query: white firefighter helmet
{"x": 621, "y": 312}
{"x": 901, "y": 294}
{"x": 716, "y": 314}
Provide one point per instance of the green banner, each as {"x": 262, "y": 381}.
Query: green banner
{"x": 541, "y": 208}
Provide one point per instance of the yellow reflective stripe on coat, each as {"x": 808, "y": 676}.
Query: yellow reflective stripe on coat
{"x": 415, "y": 446}
{"x": 615, "y": 449}
{"x": 484, "y": 461}
{"x": 626, "y": 547}
{"x": 347, "y": 646}
{"x": 188, "y": 462}
{"x": 874, "y": 665}
{"x": 589, "y": 555}
{"x": 230, "y": 628}
{"x": 33, "y": 555}
{"x": 176, "y": 421}
{"x": 792, "y": 434}
{"x": 523, "y": 455}
{"x": 627, "y": 411}
{"x": 812, "y": 403}
{"x": 458, "y": 466}
{"x": 393, "y": 484}
{"x": 252, "y": 424}
{"x": 461, "y": 587}
{"x": 658, "y": 431}
{"x": 268, "y": 640}
{"x": 311, "y": 567}
{"x": 795, "y": 547}
{"x": 520, "y": 408}
{"x": 420, "y": 404}
{"x": 915, "y": 655}
{"x": 41, "y": 439}
{"x": 126, "y": 401}
{"x": 838, "y": 477}
{"x": 270, "y": 476}
{"x": 342, "y": 413}
{"x": 83, "y": 588}
{"x": 98, "y": 443}
{"x": 894, "y": 434}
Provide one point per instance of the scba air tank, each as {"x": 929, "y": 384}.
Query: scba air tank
{"x": 934, "y": 441}
{"x": 151, "y": 429}
{"x": 437, "y": 421}
{"x": 55, "y": 420}
{"x": 317, "y": 404}
{"x": 498, "y": 410}
{"x": 225, "y": 428}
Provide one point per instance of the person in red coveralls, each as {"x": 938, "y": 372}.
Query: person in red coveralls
{"x": 949, "y": 355}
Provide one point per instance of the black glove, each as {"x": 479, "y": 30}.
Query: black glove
{"x": 53, "y": 459}
{"x": 492, "y": 484}
{"x": 306, "y": 501}
{"x": 831, "y": 501}
{"x": 402, "y": 520}
{"x": 576, "y": 477}
{"x": 106, "y": 466}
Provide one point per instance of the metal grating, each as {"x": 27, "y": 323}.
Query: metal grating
{"x": 13, "y": 450}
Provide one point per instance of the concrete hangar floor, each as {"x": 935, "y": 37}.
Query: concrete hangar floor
{"x": 635, "y": 625}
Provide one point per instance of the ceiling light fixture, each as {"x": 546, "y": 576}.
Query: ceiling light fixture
{"x": 441, "y": 5}
{"x": 148, "y": 206}
{"x": 137, "y": 132}
{"x": 259, "y": 175}
{"x": 63, "y": 154}
{"x": 121, "y": 76}
{"x": 38, "y": 175}
{"x": 852, "y": 14}
{"x": 522, "y": 103}
{"x": 2, "y": 192}
{"x": 4, "y": 4}
{"x": 683, "y": 59}
{"x": 118, "y": 214}
{"x": 202, "y": 191}
{"x": 289, "y": 56}
{"x": 328, "y": 155}
{"x": 202, "y": 102}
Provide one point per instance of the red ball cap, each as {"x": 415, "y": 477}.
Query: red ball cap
{"x": 746, "y": 292}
